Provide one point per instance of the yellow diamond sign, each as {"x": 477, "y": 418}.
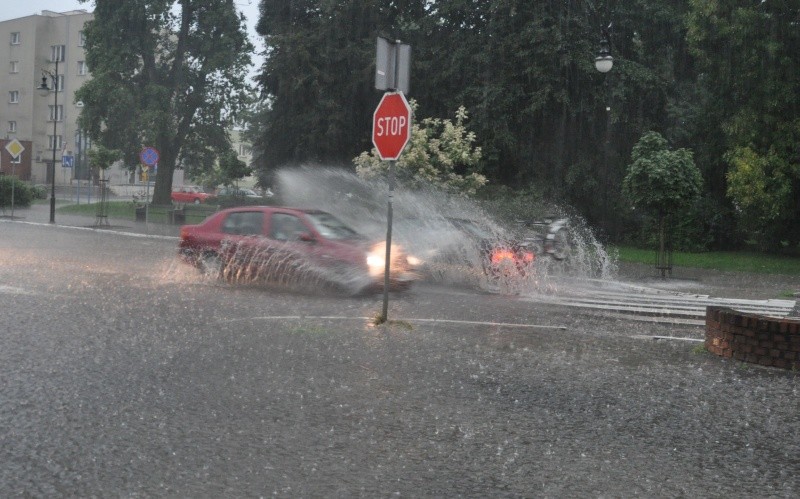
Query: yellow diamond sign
{"x": 15, "y": 148}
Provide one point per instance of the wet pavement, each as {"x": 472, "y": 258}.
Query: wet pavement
{"x": 123, "y": 373}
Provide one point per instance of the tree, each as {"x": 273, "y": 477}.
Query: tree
{"x": 524, "y": 70}
{"x": 167, "y": 74}
{"x": 440, "y": 153}
{"x": 661, "y": 181}
{"x": 101, "y": 158}
{"x": 231, "y": 168}
{"x": 748, "y": 54}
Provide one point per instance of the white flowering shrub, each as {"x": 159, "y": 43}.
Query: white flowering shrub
{"x": 439, "y": 154}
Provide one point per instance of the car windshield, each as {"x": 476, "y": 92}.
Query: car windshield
{"x": 331, "y": 227}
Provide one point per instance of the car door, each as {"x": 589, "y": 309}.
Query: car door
{"x": 242, "y": 237}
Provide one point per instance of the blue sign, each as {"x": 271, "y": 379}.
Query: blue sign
{"x": 149, "y": 156}
{"x": 67, "y": 161}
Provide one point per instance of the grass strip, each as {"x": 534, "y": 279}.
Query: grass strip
{"x": 734, "y": 261}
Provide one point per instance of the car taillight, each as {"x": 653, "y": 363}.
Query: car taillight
{"x": 184, "y": 233}
{"x": 498, "y": 255}
{"x": 528, "y": 256}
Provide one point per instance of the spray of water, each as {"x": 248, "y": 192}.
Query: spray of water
{"x": 452, "y": 235}
{"x": 286, "y": 268}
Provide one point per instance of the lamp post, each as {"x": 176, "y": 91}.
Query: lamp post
{"x": 45, "y": 89}
{"x": 604, "y": 62}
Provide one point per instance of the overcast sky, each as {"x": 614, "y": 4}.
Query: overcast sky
{"x": 13, "y": 9}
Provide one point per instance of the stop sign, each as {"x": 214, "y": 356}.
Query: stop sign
{"x": 391, "y": 125}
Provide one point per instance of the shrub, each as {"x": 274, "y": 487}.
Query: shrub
{"x": 23, "y": 193}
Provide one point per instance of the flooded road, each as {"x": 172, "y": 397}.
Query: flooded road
{"x": 122, "y": 373}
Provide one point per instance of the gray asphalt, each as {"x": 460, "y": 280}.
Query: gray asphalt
{"x": 123, "y": 373}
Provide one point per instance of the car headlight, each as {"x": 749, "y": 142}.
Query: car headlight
{"x": 376, "y": 259}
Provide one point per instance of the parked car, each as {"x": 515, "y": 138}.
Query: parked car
{"x": 189, "y": 194}
{"x": 238, "y": 192}
{"x": 281, "y": 244}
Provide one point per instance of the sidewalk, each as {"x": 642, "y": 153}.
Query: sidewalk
{"x": 40, "y": 213}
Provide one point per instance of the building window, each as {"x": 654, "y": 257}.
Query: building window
{"x": 15, "y": 38}
{"x": 13, "y": 97}
{"x": 60, "y": 83}
{"x": 12, "y": 127}
{"x": 54, "y": 142}
{"x": 13, "y": 67}
{"x": 56, "y": 113}
{"x": 81, "y": 38}
{"x": 82, "y": 68}
{"x": 57, "y": 53}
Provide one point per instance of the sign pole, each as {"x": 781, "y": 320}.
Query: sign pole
{"x": 388, "y": 264}
{"x": 15, "y": 149}
{"x": 13, "y": 183}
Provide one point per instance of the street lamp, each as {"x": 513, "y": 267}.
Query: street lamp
{"x": 604, "y": 62}
{"x": 44, "y": 89}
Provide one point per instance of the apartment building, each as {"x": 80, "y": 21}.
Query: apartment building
{"x": 32, "y": 47}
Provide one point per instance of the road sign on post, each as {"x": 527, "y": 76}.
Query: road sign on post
{"x": 14, "y": 148}
{"x": 149, "y": 156}
{"x": 391, "y": 130}
{"x": 391, "y": 125}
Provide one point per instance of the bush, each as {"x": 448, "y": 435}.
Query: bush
{"x": 23, "y": 193}
{"x": 39, "y": 191}
{"x": 231, "y": 201}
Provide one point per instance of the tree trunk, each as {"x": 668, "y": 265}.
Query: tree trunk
{"x": 162, "y": 190}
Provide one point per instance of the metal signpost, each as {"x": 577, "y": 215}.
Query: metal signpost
{"x": 149, "y": 157}
{"x": 391, "y": 126}
{"x": 391, "y": 131}
{"x": 14, "y": 148}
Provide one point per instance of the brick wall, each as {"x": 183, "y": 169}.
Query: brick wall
{"x": 753, "y": 338}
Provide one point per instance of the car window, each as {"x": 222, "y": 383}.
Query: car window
{"x": 331, "y": 227}
{"x": 286, "y": 227}
{"x": 244, "y": 223}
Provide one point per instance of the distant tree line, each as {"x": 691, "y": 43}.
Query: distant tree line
{"x": 716, "y": 78}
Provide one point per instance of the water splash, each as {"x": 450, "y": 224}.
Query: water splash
{"x": 425, "y": 223}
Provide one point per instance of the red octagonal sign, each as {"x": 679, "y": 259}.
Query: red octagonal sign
{"x": 391, "y": 125}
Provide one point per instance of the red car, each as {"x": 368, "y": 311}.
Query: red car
{"x": 288, "y": 245}
{"x": 189, "y": 194}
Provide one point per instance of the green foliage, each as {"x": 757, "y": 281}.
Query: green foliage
{"x": 165, "y": 74}
{"x": 101, "y": 158}
{"x": 231, "y": 168}
{"x": 440, "y": 153}
{"x": 713, "y": 77}
{"x": 23, "y": 193}
{"x": 748, "y": 54}
{"x": 765, "y": 189}
{"x": 659, "y": 180}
